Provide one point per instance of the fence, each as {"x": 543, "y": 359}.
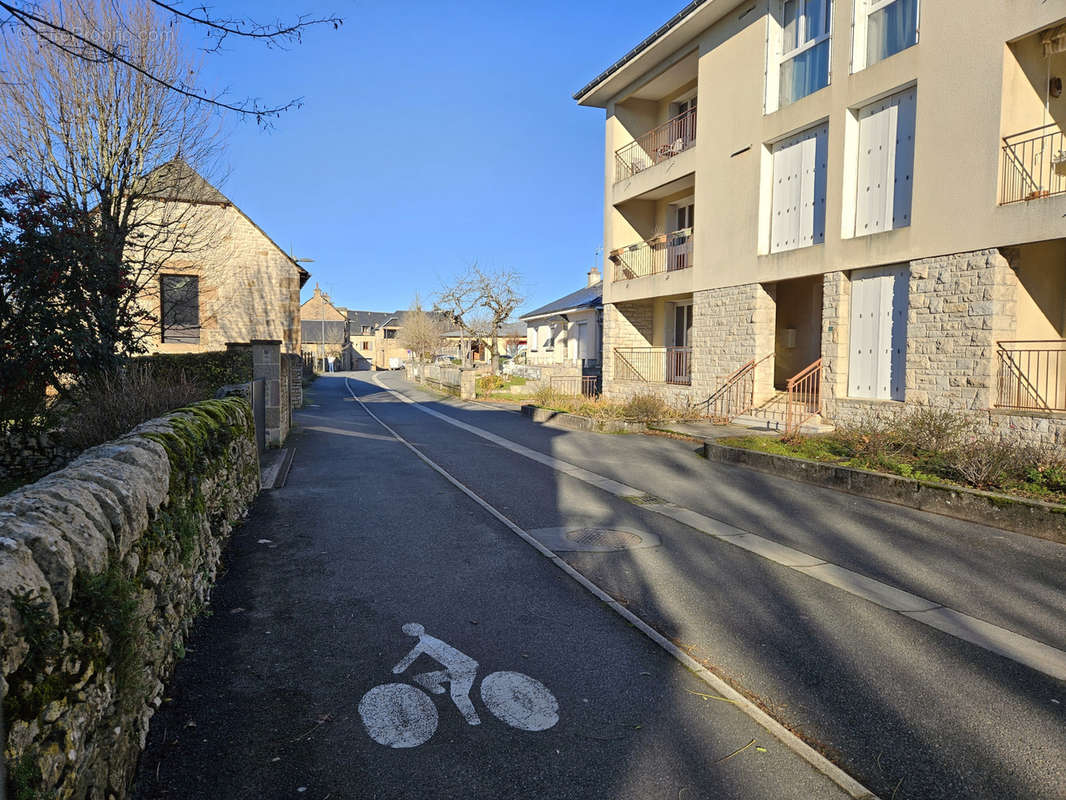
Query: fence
{"x": 657, "y": 145}
{"x": 1034, "y": 164}
{"x": 446, "y": 376}
{"x": 804, "y": 397}
{"x": 1032, "y": 375}
{"x": 586, "y": 385}
{"x": 660, "y": 254}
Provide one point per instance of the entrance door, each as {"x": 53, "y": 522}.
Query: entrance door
{"x": 679, "y": 243}
{"x": 679, "y": 357}
{"x": 687, "y": 124}
{"x": 582, "y": 341}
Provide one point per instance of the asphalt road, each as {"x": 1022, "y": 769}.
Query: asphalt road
{"x": 908, "y": 710}
{"x": 307, "y": 620}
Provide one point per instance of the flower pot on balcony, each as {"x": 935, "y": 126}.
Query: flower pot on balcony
{"x": 615, "y": 256}
{"x": 657, "y": 240}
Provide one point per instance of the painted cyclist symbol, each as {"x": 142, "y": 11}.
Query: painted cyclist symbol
{"x": 401, "y": 715}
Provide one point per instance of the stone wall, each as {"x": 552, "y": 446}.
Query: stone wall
{"x": 103, "y": 567}
{"x": 24, "y": 454}
{"x": 730, "y": 327}
{"x": 624, "y": 325}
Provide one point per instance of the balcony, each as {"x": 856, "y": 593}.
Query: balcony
{"x": 657, "y": 145}
{"x": 654, "y": 364}
{"x": 1032, "y": 375}
{"x": 664, "y": 253}
{"x": 1034, "y": 164}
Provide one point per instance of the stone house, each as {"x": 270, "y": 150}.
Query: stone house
{"x": 228, "y": 281}
{"x": 375, "y": 338}
{"x": 568, "y": 330}
{"x": 325, "y": 333}
{"x": 864, "y": 215}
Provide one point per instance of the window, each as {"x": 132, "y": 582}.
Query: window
{"x": 885, "y": 168}
{"x": 179, "y": 308}
{"x": 882, "y": 29}
{"x": 390, "y": 333}
{"x": 366, "y": 330}
{"x": 877, "y": 362}
{"x": 800, "y": 42}
{"x": 366, "y": 345}
{"x": 799, "y": 187}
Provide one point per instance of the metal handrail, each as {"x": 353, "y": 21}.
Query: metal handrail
{"x": 727, "y": 402}
{"x": 659, "y": 144}
{"x": 804, "y": 397}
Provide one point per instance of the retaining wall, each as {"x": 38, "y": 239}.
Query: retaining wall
{"x": 103, "y": 567}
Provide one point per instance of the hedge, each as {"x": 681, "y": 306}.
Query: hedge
{"x": 212, "y": 369}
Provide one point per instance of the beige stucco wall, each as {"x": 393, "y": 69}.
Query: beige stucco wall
{"x": 249, "y": 289}
{"x": 561, "y": 352}
{"x": 967, "y": 93}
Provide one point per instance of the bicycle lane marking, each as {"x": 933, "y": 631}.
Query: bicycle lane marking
{"x": 819, "y": 762}
{"x": 1032, "y": 653}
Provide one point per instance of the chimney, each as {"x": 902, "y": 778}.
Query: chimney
{"x": 594, "y": 276}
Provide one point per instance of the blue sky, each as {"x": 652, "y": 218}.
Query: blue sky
{"x": 433, "y": 134}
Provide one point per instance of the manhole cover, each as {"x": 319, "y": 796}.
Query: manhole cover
{"x": 603, "y": 537}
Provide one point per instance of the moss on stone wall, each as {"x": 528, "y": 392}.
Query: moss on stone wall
{"x": 85, "y": 656}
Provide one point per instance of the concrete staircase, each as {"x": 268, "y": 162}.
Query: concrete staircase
{"x": 770, "y": 416}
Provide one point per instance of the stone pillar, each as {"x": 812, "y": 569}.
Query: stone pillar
{"x": 266, "y": 364}
{"x": 296, "y": 384}
{"x": 467, "y": 384}
{"x": 836, "y": 338}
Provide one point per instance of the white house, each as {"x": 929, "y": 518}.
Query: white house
{"x": 569, "y": 330}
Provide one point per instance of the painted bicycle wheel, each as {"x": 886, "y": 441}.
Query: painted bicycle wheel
{"x": 520, "y": 701}
{"x": 398, "y": 715}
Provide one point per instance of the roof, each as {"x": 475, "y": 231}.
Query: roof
{"x": 586, "y": 297}
{"x": 377, "y": 319}
{"x": 670, "y": 24}
{"x": 507, "y": 329}
{"x": 176, "y": 181}
{"x": 312, "y": 331}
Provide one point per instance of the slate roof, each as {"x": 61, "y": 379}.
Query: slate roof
{"x": 506, "y": 329}
{"x": 311, "y": 331}
{"x": 375, "y": 319}
{"x": 586, "y": 297}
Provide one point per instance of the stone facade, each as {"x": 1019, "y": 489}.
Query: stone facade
{"x": 249, "y": 287}
{"x": 960, "y": 306}
{"x": 730, "y": 327}
{"x": 103, "y": 567}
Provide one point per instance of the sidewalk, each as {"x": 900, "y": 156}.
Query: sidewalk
{"x": 365, "y": 538}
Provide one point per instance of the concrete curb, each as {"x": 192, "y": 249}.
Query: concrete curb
{"x": 1030, "y": 517}
{"x": 575, "y": 422}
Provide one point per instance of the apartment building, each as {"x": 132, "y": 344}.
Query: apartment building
{"x": 840, "y": 207}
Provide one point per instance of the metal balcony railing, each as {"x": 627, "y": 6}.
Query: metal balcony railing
{"x": 657, "y": 145}
{"x": 1034, "y": 164}
{"x": 1032, "y": 375}
{"x": 664, "y": 253}
{"x": 654, "y": 364}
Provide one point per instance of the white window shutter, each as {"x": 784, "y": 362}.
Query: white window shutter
{"x": 799, "y": 186}
{"x": 878, "y": 340}
{"x": 886, "y": 164}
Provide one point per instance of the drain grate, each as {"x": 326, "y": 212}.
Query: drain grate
{"x": 603, "y": 537}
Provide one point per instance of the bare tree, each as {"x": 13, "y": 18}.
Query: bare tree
{"x": 457, "y": 300}
{"x": 60, "y": 31}
{"x": 422, "y": 332}
{"x": 500, "y": 297}
{"x": 113, "y": 143}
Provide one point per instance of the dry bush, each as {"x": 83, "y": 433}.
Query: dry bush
{"x": 113, "y": 403}
{"x": 989, "y": 461}
{"x": 646, "y": 408}
{"x": 933, "y": 430}
{"x": 874, "y": 437}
